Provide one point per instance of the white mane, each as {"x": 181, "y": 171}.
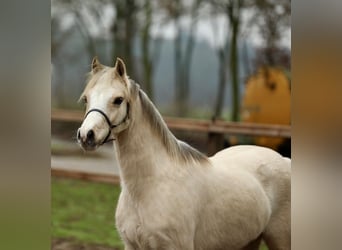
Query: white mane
{"x": 176, "y": 148}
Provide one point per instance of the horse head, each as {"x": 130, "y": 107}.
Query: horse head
{"x": 107, "y": 97}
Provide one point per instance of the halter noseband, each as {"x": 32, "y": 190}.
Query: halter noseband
{"x": 111, "y": 126}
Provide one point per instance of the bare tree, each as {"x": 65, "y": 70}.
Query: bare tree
{"x": 83, "y": 13}
{"x": 145, "y": 40}
{"x": 124, "y": 29}
{"x": 150, "y": 58}
{"x": 182, "y": 56}
{"x": 222, "y": 55}
{"x": 272, "y": 18}
{"x": 57, "y": 42}
{"x": 82, "y": 27}
{"x": 232, "y": 10}
{"x": 175, "y": 10}
{"x": 186, "y": 63}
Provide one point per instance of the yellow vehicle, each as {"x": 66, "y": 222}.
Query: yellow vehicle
{"x": 267, "y": 99}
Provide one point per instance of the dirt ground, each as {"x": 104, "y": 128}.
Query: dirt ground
{"x": 66, "y": 244}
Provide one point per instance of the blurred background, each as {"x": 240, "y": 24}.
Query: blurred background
{"x": 224, "y": 63}
{"x": 177, "y": 50}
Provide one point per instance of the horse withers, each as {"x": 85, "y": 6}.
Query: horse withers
{"x": 173, "y": 196}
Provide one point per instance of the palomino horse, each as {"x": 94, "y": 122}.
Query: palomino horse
{"x": 174, "y": 197}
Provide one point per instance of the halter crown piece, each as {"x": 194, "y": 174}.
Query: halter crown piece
{"x": 111, "y": 126}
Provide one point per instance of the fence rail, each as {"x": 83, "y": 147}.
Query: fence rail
{"x": 206, "y": 126}
{"x": 214, "y": 129}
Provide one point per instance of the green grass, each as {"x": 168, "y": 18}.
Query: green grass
{"x": 84, "y": 211}
{"x": 263, "y": 246}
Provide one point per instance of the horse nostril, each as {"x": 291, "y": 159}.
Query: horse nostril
{"x": 90, "y": 135}
{"x": 78, "y": 135}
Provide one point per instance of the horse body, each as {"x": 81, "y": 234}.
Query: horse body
{"x": 224, "y": 204}
{"x": 173, "y": 197}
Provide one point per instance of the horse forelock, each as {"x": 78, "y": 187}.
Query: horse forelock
{"x": 175, "y": 148}
{"x": 92, "y": 78}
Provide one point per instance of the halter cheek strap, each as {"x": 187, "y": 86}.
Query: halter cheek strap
{"x": 111, "y": 126}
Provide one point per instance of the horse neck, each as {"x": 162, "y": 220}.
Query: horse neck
{"x": 139, "y": 150}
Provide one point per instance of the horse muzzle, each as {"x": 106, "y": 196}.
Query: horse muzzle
{"x": 88, "y": 141}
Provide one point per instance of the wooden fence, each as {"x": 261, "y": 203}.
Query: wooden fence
{"x": 214, "y": 129}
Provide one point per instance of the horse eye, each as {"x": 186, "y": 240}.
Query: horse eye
{"x": 84, "y": 100}
{"x": 118, "y": 100}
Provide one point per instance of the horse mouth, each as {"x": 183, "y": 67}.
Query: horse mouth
{"x": 88, "y": 146}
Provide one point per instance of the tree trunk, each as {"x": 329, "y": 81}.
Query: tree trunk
{"x": 89, "y": 43}
{"x": 222, "y": 84}
{"x": 146, "y": 55}
{"x": 246, "y": 59}
{"x": 179, "y": 99}
{"x": 118, "y": 31}
{"x": 234, "y": 70}
{"x": 186, "y": 68}
{"x": 129, "y": 39}
{"x": 123, "y": 29}
{"x": 187, "y": 59}
{"x": 233, "y": 14}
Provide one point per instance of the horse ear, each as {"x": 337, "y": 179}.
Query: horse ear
{"x": 96, "y": 66}
{"x": 120, "y": 67}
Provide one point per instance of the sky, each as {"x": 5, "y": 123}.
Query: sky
{"x": 215, "y": 37}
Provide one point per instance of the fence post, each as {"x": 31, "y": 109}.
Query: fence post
{"x": 215, "y": 143}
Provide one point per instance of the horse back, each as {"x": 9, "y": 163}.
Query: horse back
{"x": 265, "y": 165}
